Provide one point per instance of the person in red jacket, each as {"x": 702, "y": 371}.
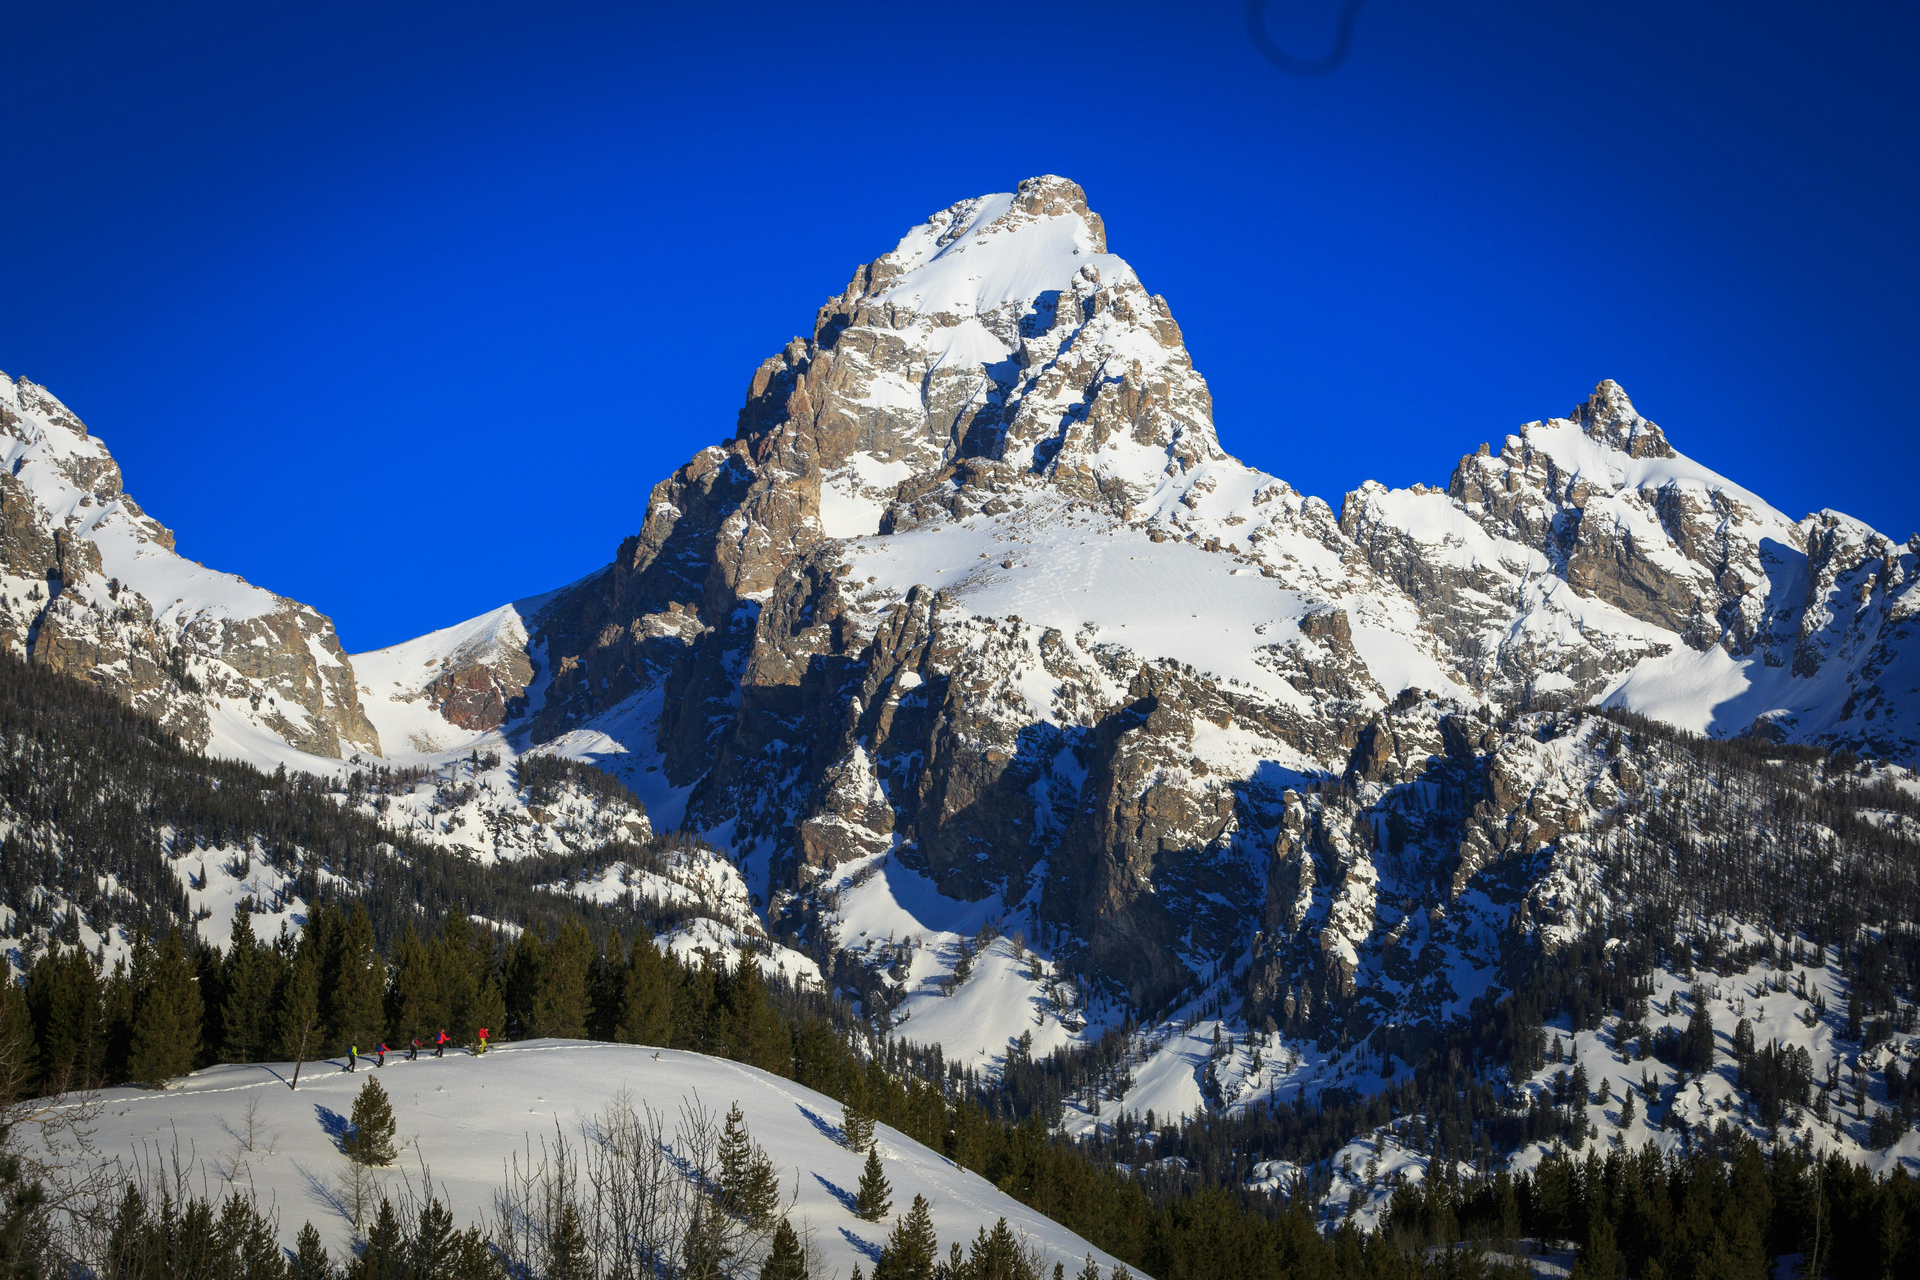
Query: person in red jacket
{"x": 383, "y": 1055}
{"x": 440, "y": 1045}
{"x": 483, "y": 1041}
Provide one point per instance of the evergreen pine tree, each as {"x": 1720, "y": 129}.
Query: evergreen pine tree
{"x": 874, "y": 1197}
{"x": 785, "y": 1259}
{"x": 996, "y": 1255}
{"x": 118, "y": 996}
{"x": 357, "y": 984}
{"x": 209, "y": 977}
{"x": 131, "y": 1246}
{"x": 167, "y": 1014}
{"x": 912, "y": 1248}
{"x": 26, "y": 1246}
{"x": 1091, "y": 1271}
{"x": 761, "y": 1195}
{"x": 1506, "y": 1204}
{"x": 416, "y": 1000}
{"x": 19, "y": 1056}
{"x": 384, "y": 1256}
{"x": 65, "y": 1002}
{"x": 463, "y": 959}
{"x": 754, "y": 1032}
{"x": 1599, "y": 1258}
{"x": 749, "y": 1188}
{"x": 560, "y": 994}
{"x": 526, "y": 973}
{"x": 736, "y": 1156}
{"x": 371, "y": 1139}
{"x": 1696, "y": 1042}
{"x": 244, "y": 1240}
{"x": 646, "y": 997}
{"x": 696, "y": 1024}
{"x": 704, "y": 1254}
{"x": 310, "y": 1260}
{"x": 856, "y": 1126}
{"x": 435, "y": 1242}
{"x": 567, "y": 1255}
{"x": 605, "y": 976}
{"x": 298, "y": 1031}
{"x": 320, "y": 945}
{"x": 471, "y": 1258}
{"x": 247, "y": 982}
{"x": 487, "y": 1009}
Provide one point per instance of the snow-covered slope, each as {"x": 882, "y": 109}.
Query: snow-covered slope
{"x": 463, "y": 1119}
{"x": 444, "y": 690}
{"x": 1670, "y": 1109}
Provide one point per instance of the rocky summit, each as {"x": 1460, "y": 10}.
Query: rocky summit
{"x": 1006, "y": 689}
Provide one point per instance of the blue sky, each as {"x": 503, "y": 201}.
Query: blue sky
{"x": 403, "y": 316}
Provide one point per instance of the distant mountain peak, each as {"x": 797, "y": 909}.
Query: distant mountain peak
{"x": 91, "y": 585}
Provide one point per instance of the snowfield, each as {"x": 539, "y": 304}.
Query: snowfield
{"x": 462, "y": 1119}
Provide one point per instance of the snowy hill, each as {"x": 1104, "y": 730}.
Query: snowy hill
{"x": 464, "y": 1119}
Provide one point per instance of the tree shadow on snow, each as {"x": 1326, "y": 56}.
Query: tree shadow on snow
{"x": 336, "y": 1125}
{"x": 839, "y": 1193}
{"x": 867, "y": 1247}
{"x": 826, "y": 1127}
{"x": 324, "y": 1192}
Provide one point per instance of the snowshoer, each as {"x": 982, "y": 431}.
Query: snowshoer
{"x": 440, "y": 1045}
{"x": 353, "y": 1056}
{"x": 383, "y": 1055}
{"x": 413, "y": 1050}
{"x": 483, "y": 1042}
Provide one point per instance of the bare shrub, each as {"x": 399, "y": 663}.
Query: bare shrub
{"x": 626, "y": 1200}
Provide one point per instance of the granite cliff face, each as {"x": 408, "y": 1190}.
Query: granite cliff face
{"x": 92, "y": 587}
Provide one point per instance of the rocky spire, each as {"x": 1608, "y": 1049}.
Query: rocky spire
{"x": 1609, "y": 417}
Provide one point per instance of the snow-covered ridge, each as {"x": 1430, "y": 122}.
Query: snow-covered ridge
{"x": 92, "y": 586}
{"x": 436, "y": 692}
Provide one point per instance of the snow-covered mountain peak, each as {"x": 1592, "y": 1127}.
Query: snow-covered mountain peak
{"x": 1606, "y": 447}
{"x": 91, "y": 585}
{"x": 983, "y": 254}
